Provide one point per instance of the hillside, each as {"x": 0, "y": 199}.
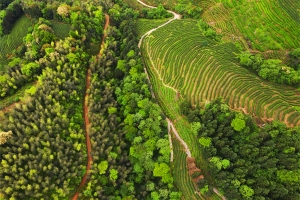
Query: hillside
{"x": 202, "y": 70}
{"x": 149, "y": 99}
{"x": 190, "y": 65}
{"x": 269, "y": 27}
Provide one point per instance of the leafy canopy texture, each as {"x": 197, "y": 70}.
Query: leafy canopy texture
{"x": 103, "y": 167}
{"x": 162, "y": 170}
{"x": 238, "y": 124}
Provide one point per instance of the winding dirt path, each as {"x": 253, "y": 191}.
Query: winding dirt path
{"x": 170, "y": 124}
{"x": 186, "y": 148}
{"x": 176, "y": 16}
{"x": 86, "y": 118}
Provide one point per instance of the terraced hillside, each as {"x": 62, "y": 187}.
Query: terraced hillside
{"x": 203, "y": 70}
{"x": 181, "y": 177}
{"x": 10, "y": 42}
{"x": 264, "y": 25}
{"x": 269, "y": 27}
{"x": 144, "y": 25}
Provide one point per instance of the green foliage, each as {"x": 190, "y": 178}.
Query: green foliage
{"x": 204, "y": 189}
{"x": 207, "y": 30}
{"x": 31, "y": 90}
{"x": 113, "y": 174}
{"x": 156, "y": 13}
{"x": 294, "y": 59}
{"x": 130, "y": 54}
{"x": 213, "y": 68}
{"x": 121, "y": 65}
{"x": 205, "y": 142}
{"x": 155, "y": 195}
{"x": 188, "y": 9}
{"x": 162, "y": 170}
{"x": 246, "y": 191}
{"x": 195, "y": 127}
{"x": 72, "y": 57}
{"x": 270, "y": 69}
{"x": 30, "y": 68}
{"x": 249, "y": 159}
{"x": 112, "y": 110}
{"x": 14, "y": 39}
{"x": 287, "y": 176}
{"x": 238, "y": 124}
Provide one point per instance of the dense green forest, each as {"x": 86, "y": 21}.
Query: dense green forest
{"x": 247, "y": 161}
{"x": 79, "y": 118}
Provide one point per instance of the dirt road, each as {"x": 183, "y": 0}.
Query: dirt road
{"x": 86, "y": 118}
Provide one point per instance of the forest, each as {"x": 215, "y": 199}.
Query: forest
{"x": 81, "y": 119}
{"x": 262, "y": 165}
{"x": 43, "y": 149}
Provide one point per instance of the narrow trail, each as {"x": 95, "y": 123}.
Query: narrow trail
{"x": 170, "y": 124}
{"x": 186, "y": 148}
{"x": 86, "y": 118}
{"x": 176, "y": 16}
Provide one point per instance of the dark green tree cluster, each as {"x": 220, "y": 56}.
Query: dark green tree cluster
{"x": 294, "y": 59}
{"x": 84, "y": 16}
{"x": 108, "y": 178}
{"x": 4, "y": 3}
{"x": 86, "y": 26}
{"x": 248, "y": 162}
{"x": 9, "y": 15}
{"x": 25, "y": 68}
{"x": 207, "y": 30}
{"x": 272, "y": 69}
{"x": 45, "y": 156}
{"x": 156, "y": 13}
{"x": 187, "y": 9}
{"x": 144, "y": 127}
{"x": 129, "y": 141}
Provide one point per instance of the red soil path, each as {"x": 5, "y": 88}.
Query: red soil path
{"x": 86, "y": 118}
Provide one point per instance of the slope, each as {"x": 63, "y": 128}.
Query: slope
{"x": 203, "y": 70}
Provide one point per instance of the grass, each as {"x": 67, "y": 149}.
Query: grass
{"x": 10, "y": 42}
{"x": 202, "y": 73}
{"x": 61, "y": 30}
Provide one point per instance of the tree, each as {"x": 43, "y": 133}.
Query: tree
{"x": 4, "y": 136}
{"x": 196, "y": 127}
{"x": 63, "y": 10}
{"x": 295, "y": 58}
{"x": 205, "y": 141}
{"x": 113, "y": 174}
{"x": 102, "y": 167}
{"x": 30, "y": 68}
{"x": 246, "y": 191}
{"x": 238, "y": 124}
{"x": 162, "y": 170}
{"x": 225, "y": 163}
{"x": 155, "y": 195}
{"x": 245, "y": 59}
